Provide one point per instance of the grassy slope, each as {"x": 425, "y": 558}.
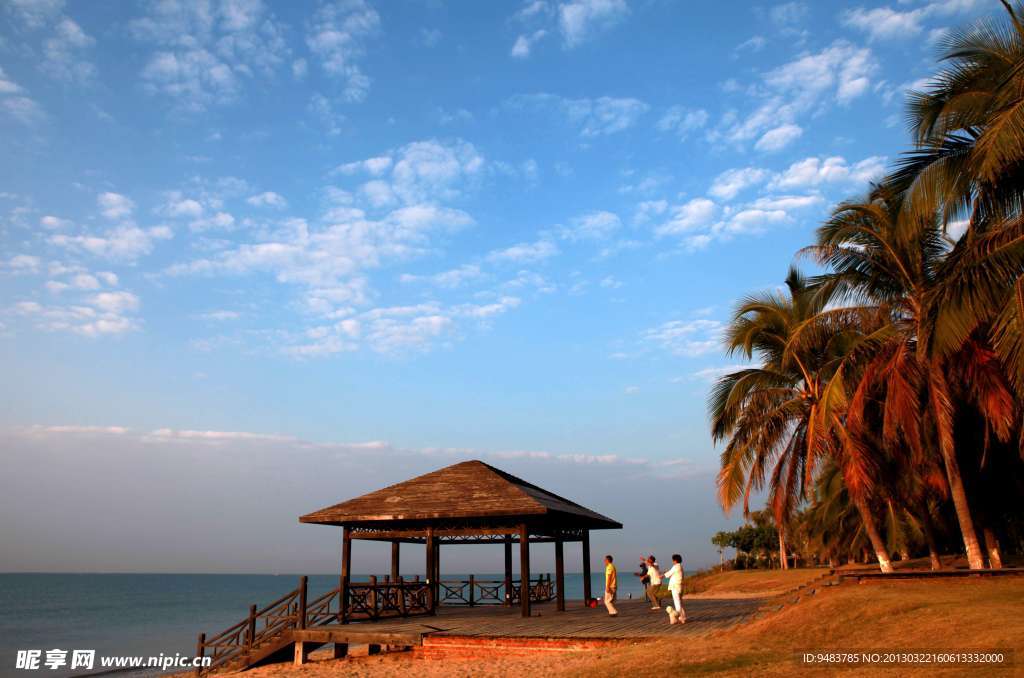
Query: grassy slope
{"x": 933, "y": 615}
{"x": 759, "y": 582}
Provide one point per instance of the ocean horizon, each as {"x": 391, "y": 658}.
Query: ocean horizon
{"x": 148, "y": 614}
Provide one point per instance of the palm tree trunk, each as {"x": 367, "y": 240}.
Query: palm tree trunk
{"x": 783, "y": 562}
{"x": 963, "y": 512}
{"x": 929, "y": 537}
{"x": 941, "y": 405}
{"x": 995, "y": 559}
{"x": 874, "y": 536}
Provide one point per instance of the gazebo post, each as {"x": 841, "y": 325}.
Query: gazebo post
{"x": 560, "y": 573}
{"x": 586, "y": 567}
{"x": 437, "y": 568}
{"x": 431, "y": 598}
{"x": 508, "y": 570}
{"x": 524, "y": 569}
{"x": 346, "y": 565}
{"x": 395, "y": 546}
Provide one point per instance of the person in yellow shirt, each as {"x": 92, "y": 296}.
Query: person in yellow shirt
{"x": 611, "y": 584}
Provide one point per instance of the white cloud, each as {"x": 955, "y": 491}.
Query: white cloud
{"x": 788, "y": 14}
{"x": 336, "y": 35}
{"x": 787, "y": 202}
{"x": 126, "y": 243}
{"x": 432, "y": 170}
{"x": 328, "y": 262}
{"x": 53, "y": 223}
{"x": 23, "y": 109}
{"x": 450, "y": 279}
{"x": 841, "y": 67}
{"x": 778, "y": 138}
{"x": 754, "y": 44}
{"x": 220, "y": 315}
{"x": 34, "y": 14}
{"x": 105, "y": 313}
{"x": 321, "y": 108}
{"x": 524, "y": 43}
{"x": 7, "y": 86}
{"x": 593, "y": 226}
{"x": 749, "y": 220}
{"x": 217, "y": 221}
{"x": 203, "y": 53}
{"x": 525, "y": 252}
{"x": 814, "y": 171}
{"x": 483, "y": 311}
{"x": 838, "y": 73}
{"x": 115, "y": 302}
{"x": 713, "y": 374}
{"x": 375, "y": 166}
{"x": 886, "y": 23}
{"x": 63, "y": 56}
{"x": 593, "y": 117}
{"x": 730, "y": 183}
{"x": 85, "y": 281}
{"x": 178, "y": 205}
{"x": 23, "y": 263}
{"x": 648, "y": 210}
{"x": 682, "y": 121}
{"x": 267, "y": 199}
{"x": 692, "y": 215}
{"x": 686, "y": 338}
{"x": 581, "y": 19}
{"x": 114, "y": 205}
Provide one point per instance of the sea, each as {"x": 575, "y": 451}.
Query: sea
{"x": 150, "y": 615}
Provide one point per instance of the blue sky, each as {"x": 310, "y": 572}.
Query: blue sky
{"x": 421, "y": 231}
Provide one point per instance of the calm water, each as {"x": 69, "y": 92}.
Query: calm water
{"x": 150, "y": 614}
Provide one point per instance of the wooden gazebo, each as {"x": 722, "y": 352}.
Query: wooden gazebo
{"x": 466, "y": 503}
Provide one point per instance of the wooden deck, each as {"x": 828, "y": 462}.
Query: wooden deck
{"x": 635, "y": 620}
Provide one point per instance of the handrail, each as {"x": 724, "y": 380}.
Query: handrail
{"x": 366, "y": 601}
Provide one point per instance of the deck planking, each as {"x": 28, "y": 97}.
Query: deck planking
{"x": 635, "y": 620}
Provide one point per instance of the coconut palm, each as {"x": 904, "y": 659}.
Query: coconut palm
{"x": 968, "y": 125}
{"x": 767, "y": 414}
{"x": 884, "y": 258}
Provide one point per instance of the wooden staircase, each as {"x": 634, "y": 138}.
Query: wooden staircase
{"x": 294, "y": 623}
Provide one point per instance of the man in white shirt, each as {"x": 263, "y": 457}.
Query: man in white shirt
{"x": 675, "y": 586}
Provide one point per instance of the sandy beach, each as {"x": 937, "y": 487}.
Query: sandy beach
{"x": 359, "y": 665}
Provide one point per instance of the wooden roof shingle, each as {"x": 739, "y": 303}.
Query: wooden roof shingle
{"x": 465, "y": 491}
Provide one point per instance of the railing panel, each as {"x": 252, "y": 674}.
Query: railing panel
{"x": 366, "y": 601}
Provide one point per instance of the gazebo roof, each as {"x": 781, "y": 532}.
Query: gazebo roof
{"x": 469, "y": 491}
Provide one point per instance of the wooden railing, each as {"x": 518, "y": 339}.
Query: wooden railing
{"x": 475, "y": 591}
{"x": 367, "y": 601}
{"x": 261, "y": 625}
{"x": 375, "y": 600}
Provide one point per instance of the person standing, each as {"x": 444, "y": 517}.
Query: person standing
{"x": 611, "y": 585}
{"x": 675, "y": 586}
{"x": 654, "y": 582}
{"x": 645, "y": 577}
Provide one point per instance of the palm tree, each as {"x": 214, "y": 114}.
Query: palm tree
{"x": 768, "y": 413}
{"x": 881, "y": 257}
{"x": 968, "y": 125}
{"x": 833, "y": 522}
{"x": 968, "y": 163}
